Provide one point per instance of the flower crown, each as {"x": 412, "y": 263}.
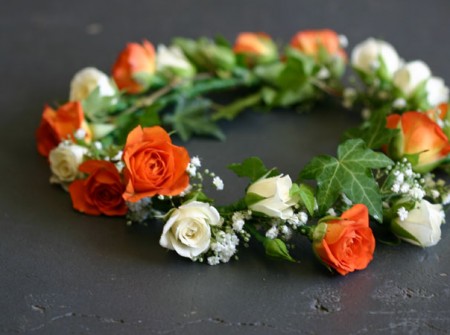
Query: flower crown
{"x": 107, "y": 148}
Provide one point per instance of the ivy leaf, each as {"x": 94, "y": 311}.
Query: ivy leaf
{"x": 349, "y": 173}
{"x": 298, "y": 70}
{"x": 252, "y": 168}
{"x": 374, "y": 132}
{"x": 192, "y": 118}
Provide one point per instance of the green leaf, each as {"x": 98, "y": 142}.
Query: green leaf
{"x": 252, "y": 168}
{"x": 191, "y": 117}
{"x": 230, "y": 111}
{"x": 96, "y": 107}
{"x": 349, "y": 173}
{"x": 306, "y": 195}
{"x": 298, "y": 70}
{"x": 374, "y": 132}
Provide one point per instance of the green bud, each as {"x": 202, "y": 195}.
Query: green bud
{"x": 277, "y": 249}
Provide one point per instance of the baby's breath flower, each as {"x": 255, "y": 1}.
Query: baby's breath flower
{"x": 218, "y": 183}
{"x": 402, "y": 213}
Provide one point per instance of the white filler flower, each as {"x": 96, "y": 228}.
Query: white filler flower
{"x": 187, "y": 230}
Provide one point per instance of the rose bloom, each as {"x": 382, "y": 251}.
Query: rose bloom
{"x": 365, "y": 56}
{"x": 257, "y": 48}
{"x": 310, "y": 42}
{"x": 60, "y": 125}
{"x": 418, "y": 135}
{"x": 277, "y": 201}
{"x": 422, "y": 227}
{"x": 348, "y": 244}
{"x": 64, "y": 161}
{"x": 101, "y": 192}
{"x": 153, "y": 165}
{"x": 187, "y": 230}
{"x": 134, "y": 59}
{"x": 87, "y": 80}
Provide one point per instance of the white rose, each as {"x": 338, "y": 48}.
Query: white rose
{"x": 173, "y": 59}
{"x": 411, "y": 75}
{"x": 64, "y": 161}
{"x": 422, "y": 226}
{"x": 87, "y": 80}
{"x": 437, "y": 92}
{"x": 278, "y": 202}
{"x": 365, "y": 56}
{"x": 187, "y": 230}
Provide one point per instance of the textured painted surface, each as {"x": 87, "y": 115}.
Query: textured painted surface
{"x": 65, "y": 273}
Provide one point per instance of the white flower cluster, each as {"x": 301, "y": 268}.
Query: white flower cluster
{"x": 139, "y": 211}
{"x": 223, "y": 246}
{"x": 283, "y": 228}
{"x": 436, "y": 189}
{"x": 193, "y": 170}
{"x": 406, "y": 182}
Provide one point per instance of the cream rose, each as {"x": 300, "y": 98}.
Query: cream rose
{"x": 64, "y": 161}
{"x": 173, "y": 60}
{"x": 437, "y": 92}
{"x": 410, "y": 76}
{"x": 277, "y": 201}
{"x": 87, "y": 80}
{"x": 422, "y": 225}
{"x": 365, "y": 56}
{"x": 187, "y": 230}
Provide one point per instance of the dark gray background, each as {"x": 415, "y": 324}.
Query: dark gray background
{"x": 65, "y": 273}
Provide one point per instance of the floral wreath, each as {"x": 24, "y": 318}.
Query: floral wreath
{"x": 107, "y": 146}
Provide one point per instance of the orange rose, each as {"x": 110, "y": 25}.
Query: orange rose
{"x": 101, "y": 192}
{"x": 310, "y": 42}
{"x": 134, "y": 59}
{"x": 255, "y": 47}
{"x": 60, "y": 125}
{"x": 153, "y": 165}
{"x": 348, "y": 244}
{"x": 418, "y": 135}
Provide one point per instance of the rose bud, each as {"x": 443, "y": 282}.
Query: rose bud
{"x": 256, "y": 48}
{"x": 134, "y": 67}
{"x": 408, "y": 78}
{"x": 311, "y": 41}
{"x": 86, "y": 81}
{"x": 418, "y": 135}
{"x": 366, "y": 57}
{"x": 60, "y": 125}
{"x": 422, "y": 226}
{"x": 172, "y": 61}
{"x": 277, "y": 201}
{"x": 346, "y": 244}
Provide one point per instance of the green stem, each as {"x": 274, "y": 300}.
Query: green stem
{"x": 255, "y": 233}
{"x": 307, "y": 231}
